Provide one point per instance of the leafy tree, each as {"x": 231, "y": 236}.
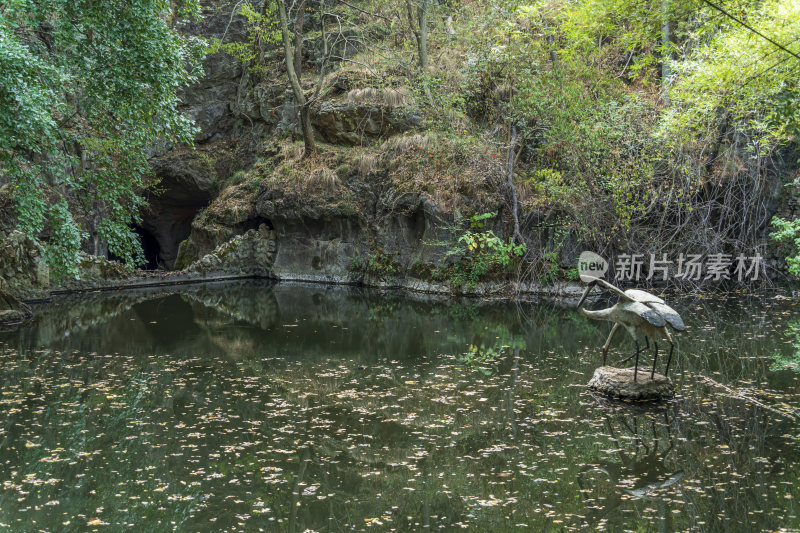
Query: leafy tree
{"x": 88, "y": 88}
{"x": 678, "y": 164}
{"x": 739, "y": 76}
{"x": 734, "y": 99}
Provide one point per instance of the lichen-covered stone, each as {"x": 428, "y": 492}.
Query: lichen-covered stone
{"x": 187, "y": 254}
{"x": 93, "y": 268}
{"x": 351, "y": 123}
{"x": 252, "y": 253}
{"x": 23, "y": 270}
{"x": 619, "y": 383}
{"x": 94, "y": 271}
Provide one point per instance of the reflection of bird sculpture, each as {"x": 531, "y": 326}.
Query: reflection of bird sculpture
{"x": 641, "y": 314}
{"x": 644, "y": 467}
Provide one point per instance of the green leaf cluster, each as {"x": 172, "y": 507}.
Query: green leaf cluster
{"x": 482, "y": 252}
{"x": 788, "y": 232}
{"x": 263, "y": 31}
{"x": 790, "y": 360}
{"x": 87, "y": 90}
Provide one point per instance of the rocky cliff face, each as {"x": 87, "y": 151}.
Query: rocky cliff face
{"x": 329, "y": 237}
{"x": 249, "y": 254}
{"x": 372, "y": 209}
{"x": 383, "y": 203}
{"x": 328, "y": 230}
{"x": 233, "y": 117}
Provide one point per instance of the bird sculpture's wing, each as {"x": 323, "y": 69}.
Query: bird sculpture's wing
{"x": 642, "y": 296}
{"x": 669, "y": 314}
{"x": 650, "y": 315}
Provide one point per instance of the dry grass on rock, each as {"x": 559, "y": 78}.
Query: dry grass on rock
{"x": 313, "y": 177}
{"x": 455, "y": 172}
{"x": 235, "y": 205}
{"x": 389, "y": 97}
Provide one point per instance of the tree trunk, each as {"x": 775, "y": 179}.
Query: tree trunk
{"x": 666, "y": 39}
{"x": 299, "y": 96}
{"x": 298, "y": 39}
{"x": 419, "y": 27}
{"x": 308, "y": 132}
{"x": 422, "y": 7}
{"x": 514, "y": 209}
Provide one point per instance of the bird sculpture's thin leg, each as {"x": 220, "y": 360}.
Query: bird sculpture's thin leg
{"x": 669, "y": 359}
{"x": 608, "y": 342}
{"x": 636, "y": 363}
{"x": 655, "y": 358}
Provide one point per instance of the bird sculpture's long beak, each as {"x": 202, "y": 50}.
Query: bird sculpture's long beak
{"x": 586, "y": 293}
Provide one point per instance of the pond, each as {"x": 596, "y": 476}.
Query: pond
{"x": 259, "y": 407}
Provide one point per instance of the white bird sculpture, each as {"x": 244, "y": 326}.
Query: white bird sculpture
{"x": 639, "y": 312}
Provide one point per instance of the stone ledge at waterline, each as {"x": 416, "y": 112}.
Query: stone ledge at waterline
{"x": 619, "y": 383}
{"x": 12, "y": 310}
{"x": 253, "y": 254}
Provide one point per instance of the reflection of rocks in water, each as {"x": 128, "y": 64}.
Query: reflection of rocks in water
{"x": 259, "y": 319}
{"x": 248, "y": 302}
{"x": 213, "y": 310}
{"x": 638, "y": 468}
{"x": 74, "y": 315}
{"x": 132, "y": 321}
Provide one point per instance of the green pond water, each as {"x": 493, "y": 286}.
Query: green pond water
{"x": 257, "y": 407}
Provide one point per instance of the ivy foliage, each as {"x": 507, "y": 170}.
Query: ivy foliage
{"x": 87, "y": 90}
{"x": 788, "y": 232}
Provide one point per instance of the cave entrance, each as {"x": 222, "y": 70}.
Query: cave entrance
{"x": 261, "y": 220}
{"x": 150, "y": 247}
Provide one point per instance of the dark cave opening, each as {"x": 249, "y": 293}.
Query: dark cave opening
{"x": 255, "y": 223}
{"x": 151, "y": 248}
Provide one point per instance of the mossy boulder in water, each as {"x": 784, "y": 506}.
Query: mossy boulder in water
{"x": 619, "y": 383}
